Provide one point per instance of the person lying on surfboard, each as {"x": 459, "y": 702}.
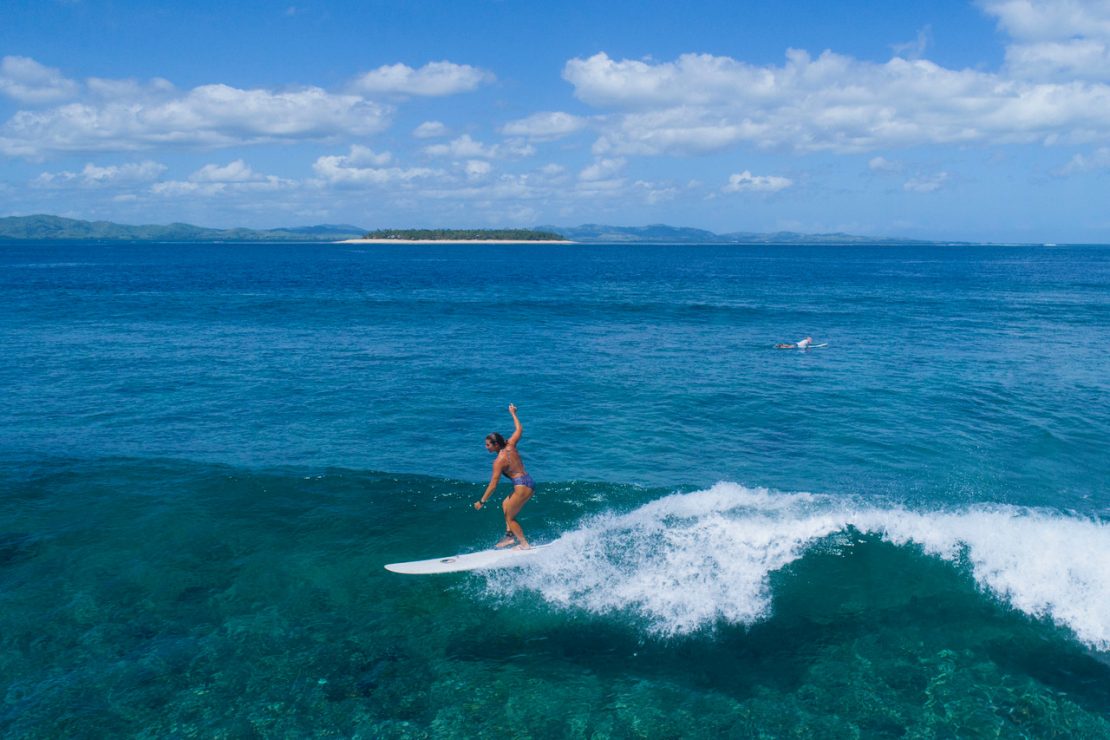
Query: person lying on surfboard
{"x": 509, "y": 464}
{"x": 801, "y": 344}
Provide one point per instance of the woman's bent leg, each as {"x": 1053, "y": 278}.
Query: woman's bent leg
{"x": 512, "y": 507}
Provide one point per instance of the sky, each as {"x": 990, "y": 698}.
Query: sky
{"x": 984, "y": 120}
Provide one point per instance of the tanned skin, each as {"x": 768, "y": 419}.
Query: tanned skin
{"x": 509, "y": 464}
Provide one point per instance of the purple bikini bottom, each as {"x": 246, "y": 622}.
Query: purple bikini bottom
{"x": 524, "y": 480}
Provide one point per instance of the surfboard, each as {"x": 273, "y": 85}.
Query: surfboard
{"x": 483, "y": 560}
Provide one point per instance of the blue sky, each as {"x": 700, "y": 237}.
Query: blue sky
{"x": 985, "y": 120}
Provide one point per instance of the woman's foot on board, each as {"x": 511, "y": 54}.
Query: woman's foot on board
{"x": 505, "y": 541}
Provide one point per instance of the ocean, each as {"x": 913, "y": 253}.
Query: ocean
{"x": 208, "y": 452}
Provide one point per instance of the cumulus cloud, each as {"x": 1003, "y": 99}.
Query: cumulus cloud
{"x": 602, "y": 169}
{"x": 96, "y": 176}
{"x": 655, "y": 193}
{"x": 127, "y": 90}
{"x": 465, "y": 147}
{"x": 361, "y": 155}
{"x": 1055, "y": 39}
{"x": 432, "y": 80}
{"x": 746, "y": 181}
{"x": 476, "y": 169}
{"x": 206, "y": 116}
{"x": 181, "y": 188}
{"x": 27, "y": 81}
{"x": 925, "y": 183}
{"x": 882, "y": 164}
{"x": 545, "y": 126}
{"x": 462, "y": 147}
{"x": 214, "y": 179}
{"x": 704, "y": 103}
{"x": 348, "y": 170}
{"x": 914, "y": 49}
{"x": 430, "y": 130}
{"x": 1096, "y": 160}
{"x": 1044, "y": 20}
{"x": 237, "y": 171}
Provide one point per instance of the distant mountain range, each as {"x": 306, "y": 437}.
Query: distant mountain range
{"x": 663, "y": 234}
{"x": 44, "y": 227}
{"x": 56, "y": 227}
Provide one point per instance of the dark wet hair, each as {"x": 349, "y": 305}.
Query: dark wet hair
{"x": 498, "y": 441}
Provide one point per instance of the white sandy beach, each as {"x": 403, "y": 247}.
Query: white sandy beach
{"x": 454, "y": 241}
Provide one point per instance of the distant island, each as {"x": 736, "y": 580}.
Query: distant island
{"x": 664, "y": 234}
{"x": 464, "y": 235}
{"x": 56, "y": 228}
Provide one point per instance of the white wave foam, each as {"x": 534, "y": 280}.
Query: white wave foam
{"x": 688, "y": 561}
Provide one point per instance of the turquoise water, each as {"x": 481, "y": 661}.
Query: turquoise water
{"x": 209, "y": 451}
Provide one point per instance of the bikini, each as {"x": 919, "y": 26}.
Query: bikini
{"x": 521, "y": 480}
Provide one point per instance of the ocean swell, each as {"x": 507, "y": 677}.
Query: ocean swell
{"x": 686, "y": 562}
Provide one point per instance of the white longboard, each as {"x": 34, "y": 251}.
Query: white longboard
{"x": 483, "y": 560}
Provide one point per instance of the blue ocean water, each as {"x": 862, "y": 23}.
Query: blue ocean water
{"x": 209, "y": 451}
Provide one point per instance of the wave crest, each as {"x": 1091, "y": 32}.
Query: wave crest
{"x": 688, "y": 561}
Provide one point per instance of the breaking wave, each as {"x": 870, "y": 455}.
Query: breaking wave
{"x": 689, "y": 561}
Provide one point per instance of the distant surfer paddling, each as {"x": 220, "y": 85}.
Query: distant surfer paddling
{"x": 800, "y": 344}
{"x": 509, "y": 464}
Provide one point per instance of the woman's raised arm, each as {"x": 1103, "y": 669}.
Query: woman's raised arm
{"x": 519, "y": 429}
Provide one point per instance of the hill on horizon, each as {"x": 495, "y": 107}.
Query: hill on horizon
{"x": 47, "y": 227}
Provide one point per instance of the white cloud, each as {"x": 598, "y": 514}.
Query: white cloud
{"x": 1055, "y": 39}
{"x": 655, "y": 193}
{"x": 704, "y": 103}
{"x": 433, "y": 79}
{"x": 206, "y": 116}
{"x": 212, "y": 189}
{"x": 129, "y": 90}
{"x": 611, "y": 188}
{"x": 882, "y": 164}
{"x": 430, "y": 130}
{"x": 914, "y": 49}
{"x": 746, "y": 181}
{"x": 27, "y": 81}
{"x": 476, "y": 169}
{"x": 925, "y": 183}
{"x": 237, "y": 171}
{"x": 460, "y": 148}
{"x": 96, "y": 176}
{"x": 602, "y": 169}
{"x": 1097, "y": 160}
{"x": 344, "y": 170}
{"x": 232, "y": 178}
{"x": 361, "y": 155}
{"x": 1039, "y": 20}
{"x": 465, "y": 147}
{"x": 132, "y": 172}
{"x": 1082, "y": 58}
{"x": 545, "y": 126}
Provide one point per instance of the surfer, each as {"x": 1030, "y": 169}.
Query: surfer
{"x": 509, "y": 464}
{"x": 801, "y": 344}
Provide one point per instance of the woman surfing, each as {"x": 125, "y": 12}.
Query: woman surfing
{"x": 509, "y": 464}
